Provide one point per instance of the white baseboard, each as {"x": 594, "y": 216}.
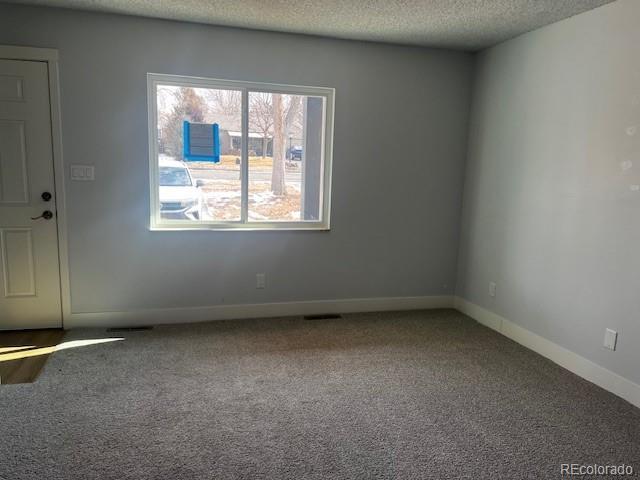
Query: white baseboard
{"x": 573, "y": 362}
{"x": 134, "y": 318}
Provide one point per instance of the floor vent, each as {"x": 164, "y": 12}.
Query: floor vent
{"x": 128, "y": 329}
{"x": 323, "y": 316}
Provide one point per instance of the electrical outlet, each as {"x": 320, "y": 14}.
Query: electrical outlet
{"x": 492, "y": 289}
{"x": 610, "y": 339}
{"x": 260, "y": 280}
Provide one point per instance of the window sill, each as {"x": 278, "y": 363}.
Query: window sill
{"x": 239, "y": 227}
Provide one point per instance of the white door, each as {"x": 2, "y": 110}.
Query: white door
{"x": 30, "y": 278}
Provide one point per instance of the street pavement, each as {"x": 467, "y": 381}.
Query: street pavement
{"x": 262, "y": 175}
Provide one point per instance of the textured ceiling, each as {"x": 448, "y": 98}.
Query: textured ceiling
{"x": 459, "y": 24}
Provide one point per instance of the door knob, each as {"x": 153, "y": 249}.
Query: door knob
{"x": 47, "y": 215}
{"x": 46, "y": 196}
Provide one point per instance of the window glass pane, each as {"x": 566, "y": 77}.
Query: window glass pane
{"x": 194, "y": 189}
{"x": 285, "y": 157}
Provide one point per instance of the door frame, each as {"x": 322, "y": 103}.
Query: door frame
{"x": 50, "y": 57}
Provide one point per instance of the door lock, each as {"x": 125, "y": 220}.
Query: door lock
{"x": 46, "y": 196}
{"x": 47, "y": 215}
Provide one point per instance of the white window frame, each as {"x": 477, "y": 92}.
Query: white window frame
{"x": 157, "y": 223}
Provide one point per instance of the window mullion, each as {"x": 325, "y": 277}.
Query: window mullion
{"x": 244, "y": 161}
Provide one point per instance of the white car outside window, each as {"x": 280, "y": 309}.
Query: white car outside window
{"x": 180, "y": 196}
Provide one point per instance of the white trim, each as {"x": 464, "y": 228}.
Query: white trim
{"x": 159, "y": 316}
{"x": 303, "y": 173}
{"x": 59, "y": 178}
{"x": 50, "y": 55}
{"x": 14, "y": 52}
{"x": 327, "y": 156}
{"x": 244, "y": 159}
{"x": 158, "y": 224}
{"x": 573, "y": 362}
{"x": 152, "y": 125}
{"x": 204, "y": 82}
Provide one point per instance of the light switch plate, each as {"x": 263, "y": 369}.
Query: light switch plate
{"x": 82, "y": 173}
{"x": 610, "y": 339}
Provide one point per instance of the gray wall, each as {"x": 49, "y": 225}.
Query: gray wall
{"x": 552, "y": 202}
{"x": 400, "y": 141}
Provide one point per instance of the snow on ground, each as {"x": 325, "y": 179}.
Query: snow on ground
{"x": 253, "y": 215}
{"x": 222, "y": 195}
{"x": 223, "y": 198}
{"x": 262, "y": 197}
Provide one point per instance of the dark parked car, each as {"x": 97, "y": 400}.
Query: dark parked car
{"x": 295, "y": 153}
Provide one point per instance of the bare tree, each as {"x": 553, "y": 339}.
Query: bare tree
{"x": 227, "y": 102}
{"x": 187, "y": 105}
{"x": 261, "y": 116}
{"x": 285, "y": 110}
